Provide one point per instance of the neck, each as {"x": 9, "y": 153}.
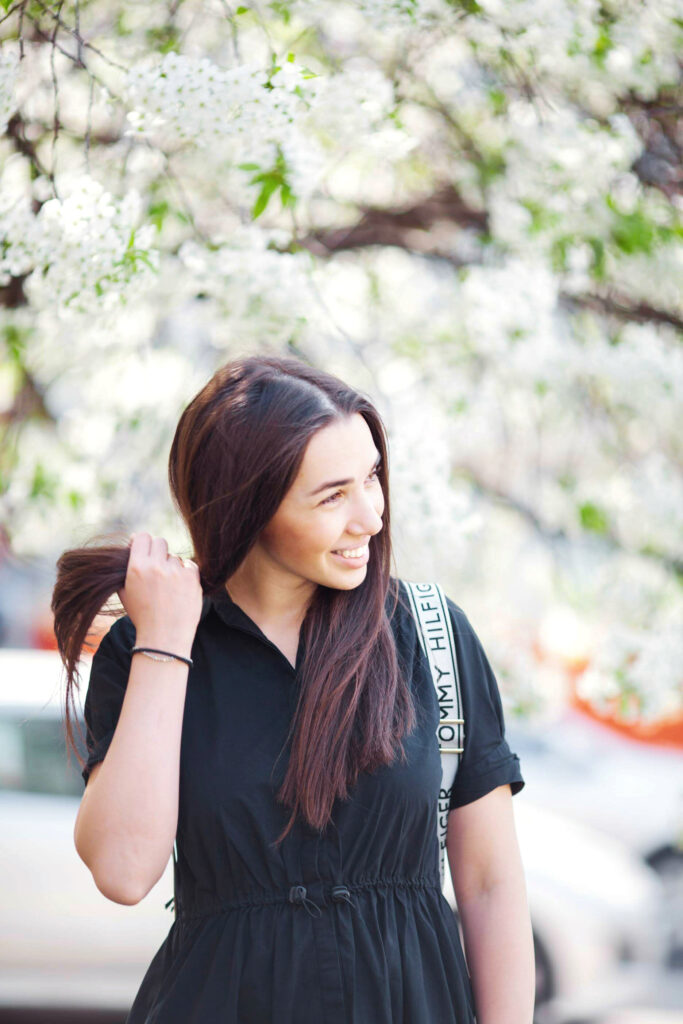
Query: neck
{"x": 275, "y": 598}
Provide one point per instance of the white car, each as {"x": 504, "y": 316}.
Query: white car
{"x": 595, "y": 908}
{"x": 597, "y": 913}
{"x": 625, "y": 788}
{"x": 62, "y": 943}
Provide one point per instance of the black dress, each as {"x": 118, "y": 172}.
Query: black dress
{"x": 347, "y": 927}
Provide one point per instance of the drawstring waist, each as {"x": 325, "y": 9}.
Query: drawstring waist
{"x": 297, "y": 894}
{"x": 301, "y": 895}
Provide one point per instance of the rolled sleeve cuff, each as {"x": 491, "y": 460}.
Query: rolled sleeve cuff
{"x": 472, "y": 787}
{"x": 95, "y": 755}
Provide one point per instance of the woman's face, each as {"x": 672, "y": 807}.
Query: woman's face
{"x": 335, "y": 503}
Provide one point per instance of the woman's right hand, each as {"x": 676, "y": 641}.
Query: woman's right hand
{"x": 162, "y": 595}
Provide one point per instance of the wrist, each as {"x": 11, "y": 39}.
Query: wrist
{"x": 159, "y": 655}
{"x": 173, "y": 645}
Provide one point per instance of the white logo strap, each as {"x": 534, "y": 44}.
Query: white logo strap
{"x": 435, "y": 632}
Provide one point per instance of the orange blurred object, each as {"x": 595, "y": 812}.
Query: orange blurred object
{"x": 42, "y": 634}
{"x": 665, "y": 732}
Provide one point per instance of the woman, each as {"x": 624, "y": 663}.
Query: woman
{"x": 295, "y": 760}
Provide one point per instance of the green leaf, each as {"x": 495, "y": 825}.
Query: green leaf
{"x": 603, "y": 44}
{"x": 75, "y": 499}
{"x": 498, "y": 100}
{"x": 281, "y": 8}
{"x": 43, "y": 485}
{"x": 468, "y": 6}
{"x": 120, "y": 26}
{"x": 287, "y": 197}
{"x": 267, "y": 189}
{"x": 491, "y": 167}
{"x": 15, "y": 341}
{"x": 157, "y": 213}
{"x": 633, "y": 233}
{"x": 559, "y": 250}
{"x": 541, "y": 216}
{"x": 163, "y": 38}
{"x": 271, "y": 180}
{"x": 599, "y": 265}
{"x": 593, "y": 518}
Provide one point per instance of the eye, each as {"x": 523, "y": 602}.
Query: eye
{"x": 332, "y": 498}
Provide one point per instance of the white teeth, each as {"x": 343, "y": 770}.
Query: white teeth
{"x": 352, "y": 552}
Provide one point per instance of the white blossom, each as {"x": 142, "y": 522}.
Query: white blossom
{"x": 9, "y": 70}
{"x": 82, "y": 252}
{"x": 534, "y": 423}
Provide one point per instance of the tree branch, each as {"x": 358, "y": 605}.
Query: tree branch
{"x": 554, "y": 534}
{"x": 619, "y": 307}
{"x": 398, "y": 227}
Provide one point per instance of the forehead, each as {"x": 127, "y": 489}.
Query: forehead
{"x": 340, "y": 445}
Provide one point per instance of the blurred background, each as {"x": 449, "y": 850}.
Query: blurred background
{"x": 472, "y": 212}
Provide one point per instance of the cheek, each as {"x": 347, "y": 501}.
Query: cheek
{"x": 286, "y": 537}
{"x": 318, "y": 535}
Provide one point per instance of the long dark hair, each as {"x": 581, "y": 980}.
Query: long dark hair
{"x": 237, "y": 449}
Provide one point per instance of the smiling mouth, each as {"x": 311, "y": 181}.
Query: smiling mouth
{"x": 352, "y": 553}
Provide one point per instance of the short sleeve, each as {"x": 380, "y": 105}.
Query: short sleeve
{"x": 486, "y": 761}
{"x": 109, "y": 671}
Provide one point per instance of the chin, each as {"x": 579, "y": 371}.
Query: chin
{"x": 351, "y": 581}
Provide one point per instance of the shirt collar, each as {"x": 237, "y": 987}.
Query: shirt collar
{"x": 230, "y": 613}
{"x": 227, "y": 610}
{"x": 233, "y": 615}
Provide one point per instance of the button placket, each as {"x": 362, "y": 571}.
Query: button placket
{"x": 313, "y": 868}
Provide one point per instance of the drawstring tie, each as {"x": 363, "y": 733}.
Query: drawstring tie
{"x": 340, "y": 892}
{"x": 297, "y": 894}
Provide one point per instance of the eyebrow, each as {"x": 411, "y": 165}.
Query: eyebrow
{"x": 342, "y": 483}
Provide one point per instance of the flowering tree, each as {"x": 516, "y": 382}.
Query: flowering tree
{"x": 469, "y": 209}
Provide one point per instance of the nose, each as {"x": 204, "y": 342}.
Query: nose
{"x": 368, "y": 520}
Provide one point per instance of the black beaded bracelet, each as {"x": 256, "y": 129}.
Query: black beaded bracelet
{"x": 151, "y": 651}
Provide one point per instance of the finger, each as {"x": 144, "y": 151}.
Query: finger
{"x": 141, "y": 543}
{"x": 159, "y": 549}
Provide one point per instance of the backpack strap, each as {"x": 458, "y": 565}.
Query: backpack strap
{"x": 435, "y": 632}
